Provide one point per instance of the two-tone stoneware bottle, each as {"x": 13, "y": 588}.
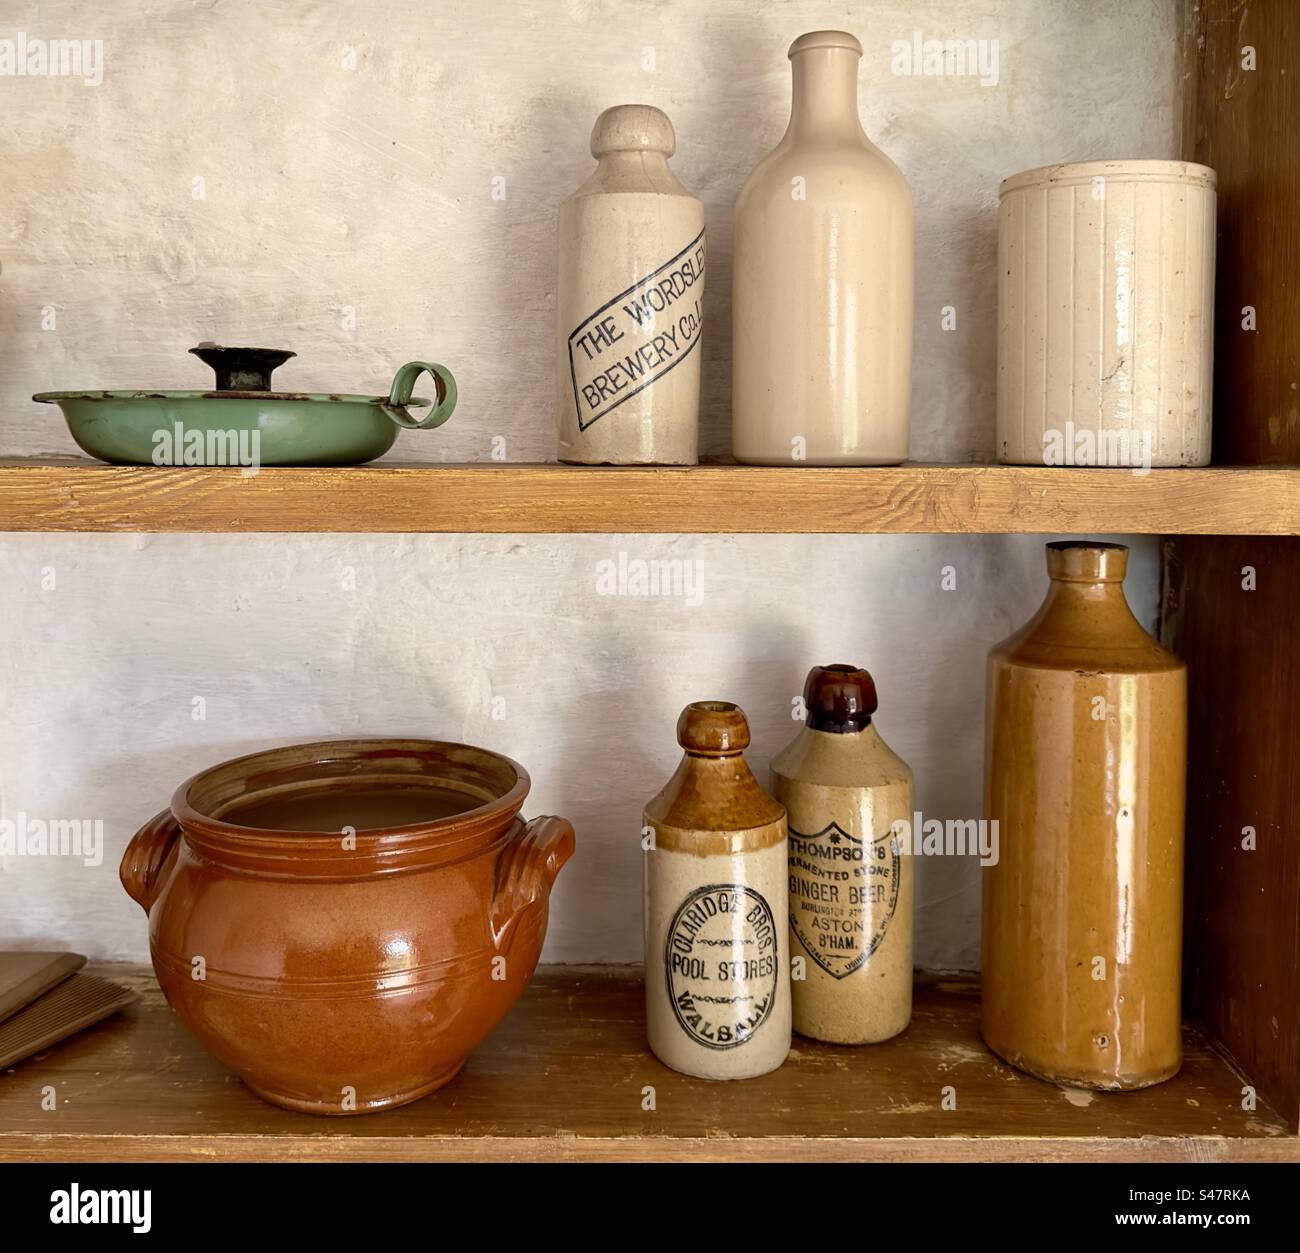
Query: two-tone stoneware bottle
{"x": 851, "y": 879}
{"x": 630, "y": 301}
{"x": 823, "y": 282}
{"x": 717, "y": 972}
{"x": 1086, "y": 768}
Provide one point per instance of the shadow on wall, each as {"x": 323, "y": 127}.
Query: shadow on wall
{"x": 558, "y": 155}
{"x": 556, "y": 152}
{"x": 734, "y": 150}
{"x": 624, "y": 748}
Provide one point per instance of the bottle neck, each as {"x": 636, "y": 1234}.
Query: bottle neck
{"x": 634, "y": 159}
{"x": 1078, "y": 590}
{"x": 821, "y": 720}
{"x": 824, "y": 103}
{"x": 636, "y": 169}
{"x": 1074, "y": 605}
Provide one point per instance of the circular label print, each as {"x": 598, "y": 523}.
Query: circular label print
{"x": 721, "y": 960}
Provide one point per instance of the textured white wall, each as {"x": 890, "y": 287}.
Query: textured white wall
{"x": 100, "y": 675}
{"x": 368, "y": 189}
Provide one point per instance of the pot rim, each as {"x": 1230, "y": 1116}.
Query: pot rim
{"x": 1121, "y": 170}
{"x": 322, "y": 854}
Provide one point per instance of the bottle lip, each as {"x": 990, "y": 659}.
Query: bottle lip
{"x": 713, "y": 728}
{"x": 825, "y": 39}
{"x": 1087, "y": 561}
{"x": 633, "y": 128}
{"x": 840, "y": 699}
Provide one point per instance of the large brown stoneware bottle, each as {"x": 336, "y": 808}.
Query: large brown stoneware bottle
{"x": 1086, "y": 757}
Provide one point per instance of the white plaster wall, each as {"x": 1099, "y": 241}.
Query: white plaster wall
{"x": 101, "y": 672}
{"x": 368, "y": 189}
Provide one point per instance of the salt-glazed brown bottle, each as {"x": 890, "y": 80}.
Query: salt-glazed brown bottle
{"x": 717, "y": 971}
{"x": 1086, "y": 761}
{"x": 851, "y": 878}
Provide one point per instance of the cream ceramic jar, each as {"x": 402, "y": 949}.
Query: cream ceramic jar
{"x": 717, "y": 972}
{"x": 823, "y": 282}
{"x": 630, "y": 301}
{"x": 851, "y": 880}
{"x": 1106, "y": 314}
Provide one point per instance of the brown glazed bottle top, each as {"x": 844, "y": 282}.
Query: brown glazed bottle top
{"x": 839, "y": 698}
{"x": 1078, "y": 561}
{"x": 713, "y": 728}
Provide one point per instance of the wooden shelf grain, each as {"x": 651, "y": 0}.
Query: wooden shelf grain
{"x": 88, "y": 496}
{"x": 565, "y": 1078}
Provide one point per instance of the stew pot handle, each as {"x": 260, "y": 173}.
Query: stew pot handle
{"x": 145, "y": 855}
{"x": 404, "y": 384}
{"x": 525, "y": 872}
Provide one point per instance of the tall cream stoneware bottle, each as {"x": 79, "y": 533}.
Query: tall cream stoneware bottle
{"x": 1086, "y": 744}
{"x": 717, "y": 973}
{"x": 822, "y": 292}
{"x": 851, "y": 884}
{"x": 630, "y": 301}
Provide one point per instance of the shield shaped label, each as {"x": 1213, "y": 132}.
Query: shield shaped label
{"x": 843, "y": 892}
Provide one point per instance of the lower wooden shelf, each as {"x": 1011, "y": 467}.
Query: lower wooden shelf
{"x": 565, "y": 1077}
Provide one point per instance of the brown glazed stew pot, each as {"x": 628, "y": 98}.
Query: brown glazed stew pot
{"x": 342, "y": 923}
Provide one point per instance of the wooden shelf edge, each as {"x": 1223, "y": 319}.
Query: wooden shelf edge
{"x": 80, "y": 496}
{"x": 343, "y": 1147}
{"x": 564, "y": 1078}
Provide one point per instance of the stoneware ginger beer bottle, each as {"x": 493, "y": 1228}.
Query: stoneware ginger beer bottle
{"x": 630, "y": 301}
{"x": 822, "y": 290}
{"x": 851, "y": 881}
{"x": 1086, "y": 744}
{"x": 717, "y": 974}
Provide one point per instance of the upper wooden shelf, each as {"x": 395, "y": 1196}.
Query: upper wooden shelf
{"x": 89, "y": 496}
{"x": 568, "y": 1076}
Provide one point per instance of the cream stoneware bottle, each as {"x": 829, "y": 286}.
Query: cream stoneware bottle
{"x": 630, "y": 301}
{"x": 823, "y": 284}
{"x": 717, "y": 971}
{"x": 851, "y": 881}
{"x": 1086, "y": 749}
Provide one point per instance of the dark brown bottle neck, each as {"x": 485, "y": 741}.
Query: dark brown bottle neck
{"x": 820, "y": 720}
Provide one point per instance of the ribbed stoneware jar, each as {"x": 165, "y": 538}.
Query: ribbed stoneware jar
{"x": 1106, "y": 314}
{"x": 717, "y": 973}
{"x": 1086, "y": 757}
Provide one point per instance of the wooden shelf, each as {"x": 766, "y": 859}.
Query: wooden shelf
{"x": 89, "y": 496}
{"x": 564, "y": 1078}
